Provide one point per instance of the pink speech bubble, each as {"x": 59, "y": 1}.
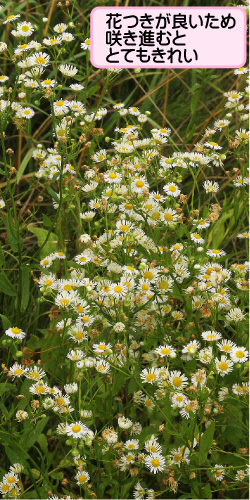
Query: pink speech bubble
{"x": 208, "y": 44}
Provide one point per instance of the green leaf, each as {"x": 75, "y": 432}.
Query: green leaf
{"x": 194, "y": 87}
{"x": 5, "y": 387}
{"x": 6, "y": 286}
{"x": 47, "y": 222}
{"x": 93, "y": 90}
{"x": 207, "y": 491}
{"x": 41, "y": 235}
{"x": 25, "y": 274}
{"x": 24, "y": 164}
{"x": 6, "y": 322}
{"x": 206, "y": 443}
{"x": 27, "y": 441}
{"x": 194, "y": 102}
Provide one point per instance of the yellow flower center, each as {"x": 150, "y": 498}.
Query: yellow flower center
{"x": 48, "y": 282}
{"x": 213, "y": 143}
{"x": 139, "y": 184}
{"x": 163, "y": 285}
{"x": 102, "y": 347}
{"x": 124, "y": 228}
{"x": 168, "y": 217}
{"x": 165, "y": 350}
{"x": 76, "y": 428}
{"x": 211, "y": 337}
{"x": 179, "y": 398}
{"x": 85, "y": 319}
{"x": 67, "y": 288}
{"x": 155, "y": 462}
{"x": 82, "y": 478}
{"x": 40, "y": 389}
{"x": 112, "y": 175}
{"x": 118, "y": 289}
{"x": 79, "y": 335}
{"x": 148, "y": 275}
{"x": 177, "y": 381}
{"x": 223, "y": 365}
{"x": 80, "y": 309}
{"x": 239, "y": 354}
{"x": 226, "y": 348}
{"x": 16, "y": 331}
{"x": 150, "y": 376}
{"x": 40, "y": 60}
{"x": 25, "y": 28}
{"x": 64, "y": 302}
{"x": 18, "y": 371}
{"x": 172, "y": 188}
{"x": 145, "y": 286}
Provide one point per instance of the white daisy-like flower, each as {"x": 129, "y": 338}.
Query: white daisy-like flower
{"x": 15, "y": 333}
{"x": 177, "y": 379}
{"x": 3, "y": 47}
{"x": 102, "y": 366}
{"x": 216, "y": 253}
{"x": 25, "y": 113}
{"x": 240, "y": 475}
{"x": 197, "y": 238}
{"x": 75, "y": 355}
{"x": 139, "y": 184}
{"x": 68, "y": 70}
{"x": 239, "y": 354}
{"x": 224, "y": 365}
{"x": 226, "y": 346}
{"x": 48, "y": 83}
{"x": 131, "y": 444}
{"x": 3, "y": 78}
{"x": 2, "y": 203}
{"x": 171, "y": 189}
{"x": 118, "y": 290}
{"x": 11, "y": 18}
{"x": 235, "y": 314}
{"x": 155, "y": 462}
{"x": 100, "y": 156}
{"x": 233, "y": 96}
{"x": 178, "y": 399}
{"x": 165, "y": 350}
{"x": 101, "y": 348}
{"x": 112, "y": 177}
{"x": 82, "y": 477}
{"x": 169, "y": 216}
{"x": 124, "y": 423}
{"x": 241, "y": 71}
{"x": 150, "y": 375}
{"x": 82, "y": 259}
{"x": 218, "y": 472}
{"x": 17, "y": 370}
{"x": 77, "y": 87}
{"x": 241, "y": 181}
{"x": 76, "y": 429}
{"x": 191, "y": 348}
{"x": 220, "y": 124}
{"x": 212, "y": 145}
{"x": 40, "y": 59}
{"x": 134, "y": 111}
{"x": 86, "y": 44}
{"x": 211, "y": 336}
{"x": 211, "y": 186}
